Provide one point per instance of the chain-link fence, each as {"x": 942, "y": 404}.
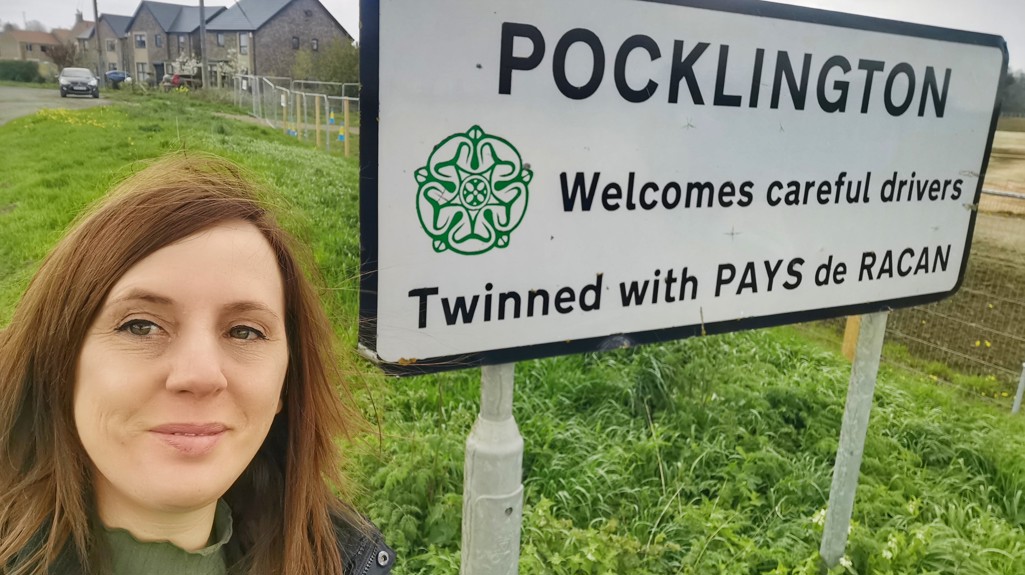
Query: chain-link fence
{"x": 980, "y": 331}
{"x": 326, "y": 113}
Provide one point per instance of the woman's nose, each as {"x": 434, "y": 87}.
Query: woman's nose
{"x": 196, "y": 366}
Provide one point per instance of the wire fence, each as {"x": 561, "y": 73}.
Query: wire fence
{"x": 326, "y": 113}
{"x": 976, "y": 338}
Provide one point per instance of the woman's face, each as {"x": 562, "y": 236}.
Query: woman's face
{"x": 181, "y": 373}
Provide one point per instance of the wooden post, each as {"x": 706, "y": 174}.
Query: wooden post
{"x": 850, "y": 336}
{"x": 316, "y": 118}
{"x": 345, "y": 116}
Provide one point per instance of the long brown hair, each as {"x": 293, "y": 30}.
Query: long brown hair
{"x": 286, "y": 501}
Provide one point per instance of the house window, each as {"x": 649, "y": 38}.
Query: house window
{"x": 159, "y": 41}
{"x": 43, "y": 47}
{"x": 243, "y": 43}
{"x": 111, "y": 46}
{"x": 295, "y": 42}
{"x": 181, "y": 43}
{"x": 140, "y": 40}
{"x": 28, "y": 47}
{"x": 220, "y": 38}
{"x": 140, "y": 70}
{"x": 315, "y": 45}
{"x": 112, "y": 66}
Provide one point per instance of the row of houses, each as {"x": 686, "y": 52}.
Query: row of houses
{"x": 250, "y": 37}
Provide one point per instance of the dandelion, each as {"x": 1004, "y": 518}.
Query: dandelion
{"x": 988, "y": 344}
{"x": 977, "y": 343}
{"x": 1003, "y": 394}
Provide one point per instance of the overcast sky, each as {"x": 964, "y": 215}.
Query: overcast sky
{"x": 1002, "y": 17}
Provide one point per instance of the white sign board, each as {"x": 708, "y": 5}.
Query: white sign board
{"x": 546, "y": 177}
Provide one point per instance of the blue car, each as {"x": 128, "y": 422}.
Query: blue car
{"x": 115, "y": 77}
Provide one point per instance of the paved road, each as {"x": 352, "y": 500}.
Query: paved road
{"x": 17, "y": 102}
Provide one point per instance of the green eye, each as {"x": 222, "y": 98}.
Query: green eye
{"x": 139, "y": 327}
{"x": 245, "y": 332}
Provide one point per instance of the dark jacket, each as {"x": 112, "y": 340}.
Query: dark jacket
{"x": 362, "y": 553}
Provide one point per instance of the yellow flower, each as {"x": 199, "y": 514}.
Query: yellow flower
{"x": 988, "y": 344}
{"x": 977, "y": 343}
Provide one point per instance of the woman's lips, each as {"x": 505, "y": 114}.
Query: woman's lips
{"x": 189, "y": 438}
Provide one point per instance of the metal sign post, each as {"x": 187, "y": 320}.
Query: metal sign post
{"x": 492, "y": 487}
{"x": 1021, "y": 391}
{"x": 852, "y": 437}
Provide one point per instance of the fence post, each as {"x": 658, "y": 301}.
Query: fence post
{"x": 1021, "y": 391}
{"x": 316, "y": 118}
{"x": 850, "y": 336}
{"x": 345, "y": 116}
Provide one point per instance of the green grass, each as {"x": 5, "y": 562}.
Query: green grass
{"x": 706, "y": 456}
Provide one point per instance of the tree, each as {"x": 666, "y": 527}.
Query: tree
{"x": 1013, "y": 93}
{"x": 304, "y": 67}
{"x": 10, "y": 27}
{"x": 64, "y": 54}
{"x": 35, "y": 26}
{"x": 339, "y": 62}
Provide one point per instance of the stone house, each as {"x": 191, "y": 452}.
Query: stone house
{"x": 263, "y": 37}
{"x": 24, "y": 45}
{"x": 113, "y": 36}
{"x": 160, "y": 33}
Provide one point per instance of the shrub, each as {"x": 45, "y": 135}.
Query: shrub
{"x": 17, "y": 71}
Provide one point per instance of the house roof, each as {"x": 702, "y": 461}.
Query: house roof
{"x": 163, "y": 12}
{"x": 251, "y": 15}
{"x": 247, "y": 15}
{"x": 34, "y": 37}
{"x": 174, "y": 18}
{"x": 87, "y": 33}
{"x": 62, "y": 34}
{"x": 118, "y": 23}
{"x": 81, "y": 27}
{"x": 188, "y": 19}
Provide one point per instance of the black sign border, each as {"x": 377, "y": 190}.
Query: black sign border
{"x": 370, "y": 37}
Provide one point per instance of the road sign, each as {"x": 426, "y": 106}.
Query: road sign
{"x": 542, "y": 178}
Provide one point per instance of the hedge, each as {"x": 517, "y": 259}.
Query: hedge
{"x": 18, "y": 71}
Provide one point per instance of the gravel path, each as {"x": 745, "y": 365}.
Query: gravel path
{"x": 17, "y": 102}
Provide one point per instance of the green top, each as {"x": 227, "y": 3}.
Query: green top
{"x": 129, "y": 556}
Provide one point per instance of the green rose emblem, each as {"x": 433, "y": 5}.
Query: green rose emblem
{"x": 472, "y": 193}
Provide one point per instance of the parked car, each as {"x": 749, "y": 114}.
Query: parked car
{"x": 116, "y": 77}
{"x": 78, "y": 81}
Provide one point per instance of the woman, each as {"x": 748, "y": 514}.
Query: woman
{"x": 169, "y": 397}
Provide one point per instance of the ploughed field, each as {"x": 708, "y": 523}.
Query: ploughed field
{"x": 707, "y": 456}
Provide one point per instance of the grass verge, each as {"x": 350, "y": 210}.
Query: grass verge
{"x": 711, "y": 455}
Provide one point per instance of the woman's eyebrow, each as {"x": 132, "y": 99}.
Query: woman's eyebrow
{"x": 137, "y": 294}
{"x": 244, "y": 306}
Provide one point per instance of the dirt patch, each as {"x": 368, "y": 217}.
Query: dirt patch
{"x": 1006, "y": 172}
{"x": 7, "y": 209}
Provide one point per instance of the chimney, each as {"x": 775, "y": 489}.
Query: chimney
{"x": 78, "y": 16}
